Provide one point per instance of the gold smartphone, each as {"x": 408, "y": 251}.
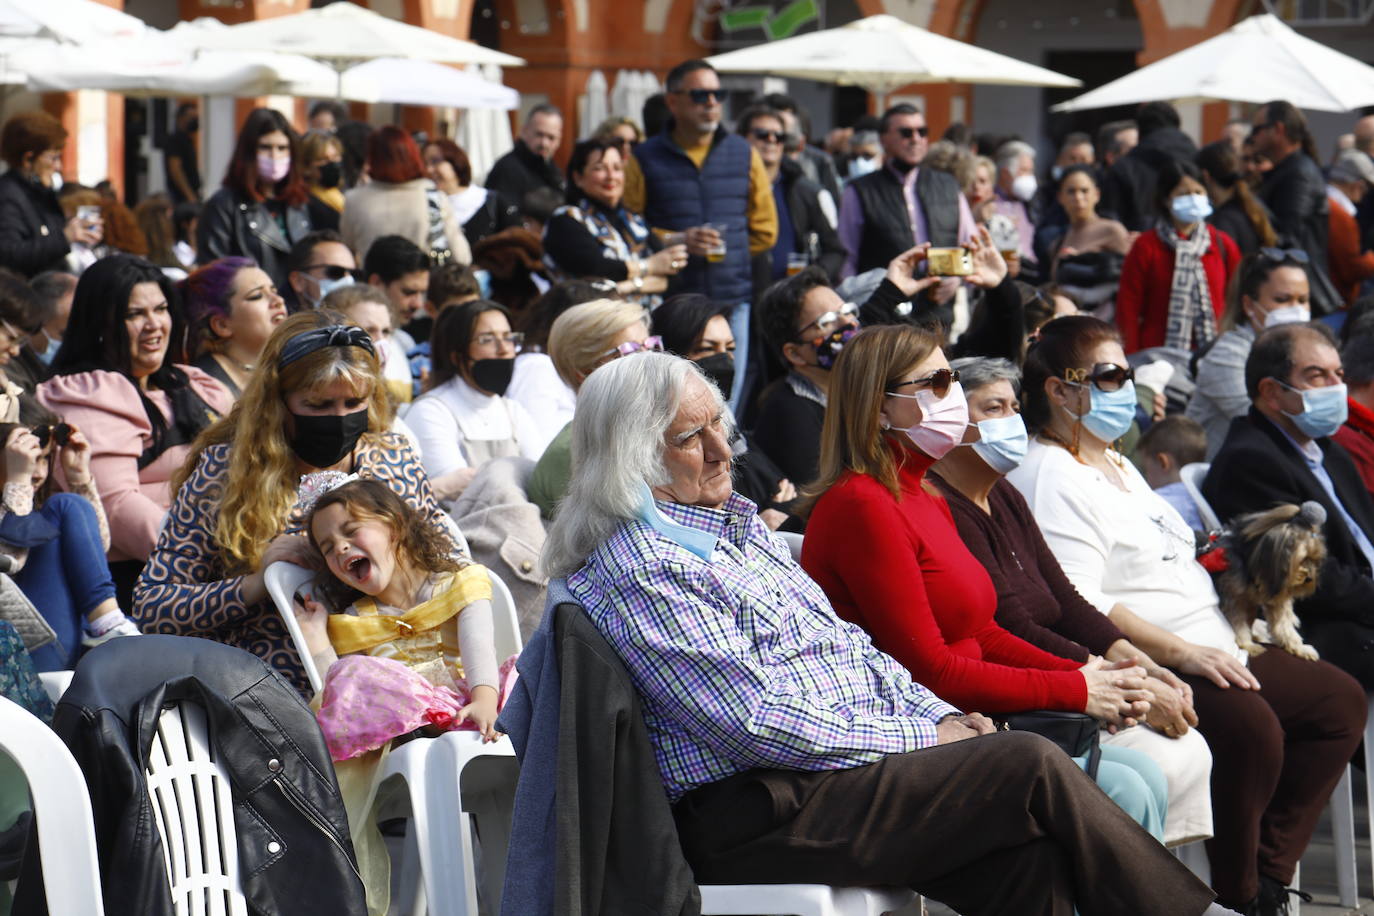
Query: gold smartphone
{"x": 949, "y": 262}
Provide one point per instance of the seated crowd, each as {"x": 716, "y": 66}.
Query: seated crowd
{"x": 853, "y": 511}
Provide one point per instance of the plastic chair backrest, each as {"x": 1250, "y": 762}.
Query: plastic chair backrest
{"x": 194, "y": 810}
{"x": 285, "y": 579}
{"x": 1192, "y": 476}
{"x": 62, "y": 811}
{"x": 793, "y": 540}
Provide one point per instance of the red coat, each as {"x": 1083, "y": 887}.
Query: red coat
{"x": 1349, "y": 265}
{"x": 899, "y": 569}
{"x": 1357, "y": 438}
{"x": 1147, "y": 276}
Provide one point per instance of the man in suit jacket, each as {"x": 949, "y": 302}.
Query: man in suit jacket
{"x": 1281, "y": 453}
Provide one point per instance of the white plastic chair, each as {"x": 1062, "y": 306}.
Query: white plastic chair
{"x": 455, "y": 774}
{"x": 1192, "y": 475}
{"x": 62, "y": 811}
{"x": 793, "y": 540}
{"x": 801, "y": 900}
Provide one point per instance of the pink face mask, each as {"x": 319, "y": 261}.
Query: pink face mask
{"x": 943, "y": 420}
{"x": 270, "y": 168}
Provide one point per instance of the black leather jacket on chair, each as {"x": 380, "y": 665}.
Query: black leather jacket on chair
{"x": 295, "y": 856}
{"x": 234, "y": 226}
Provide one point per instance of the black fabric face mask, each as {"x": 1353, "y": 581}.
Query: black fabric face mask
{"x": 719, "y": 368}
{"x": 493, "y": 375}
{"x": 331, "y": 174}
{"x": 322, "y": 442}
{"x": 828, "y": 350}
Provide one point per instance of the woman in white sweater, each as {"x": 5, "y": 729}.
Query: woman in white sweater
{"x": 465, "y": 420}
{"x": 400, "y": 200}
{"x": 1281, "y": 728}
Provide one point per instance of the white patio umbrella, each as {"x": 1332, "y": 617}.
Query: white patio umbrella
{"x": 343, "y": 33}
{"x": 68, "y": 21}
{"x": 410, "y": 82}
{"x": 484, "y": 134}
{"x": 1258, "y": 60}
{"x": 594, "y": 106}
{"x": 883, "y": 53}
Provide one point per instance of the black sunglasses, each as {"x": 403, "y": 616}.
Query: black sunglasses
{"x": 622, "y": 143}
{"x": 909, "y": 132}
{"x": 1279, "y": 255}
{"x": 702, "y": 96}
{"x": 60, "y": 433}
{"x": 768, "y": 136}
{"x": 938, "y": 382}
{"x": 331, "y": 271}
{"x": 1106, "y": 376}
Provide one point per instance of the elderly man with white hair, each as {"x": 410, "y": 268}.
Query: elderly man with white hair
{"x": 790, "y": 748}
{"x": 1013, "y": 195}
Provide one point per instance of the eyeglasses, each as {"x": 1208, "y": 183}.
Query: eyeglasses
{"x": 17, "y": 337}
{"x": 651, "y": 344}
{"x": 768, "y": 136}
{"x": 826, "y": 323}
{"x": 60, "y": 433}
{"x": 938, "y": 382}
{"x": 1106, "y": 376}
{"x": 515, "y": 338}
{"x": 331, "y": 271}
{"x": 702, "y": 96}
{"x": 909, "y": 133}
{"x": 1279, "y": 255}
{"x": 623, "y": 143}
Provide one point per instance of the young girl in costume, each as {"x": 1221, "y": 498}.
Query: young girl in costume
{"x": 403, "y": 631}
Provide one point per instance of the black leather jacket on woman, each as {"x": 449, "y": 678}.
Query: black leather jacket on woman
{"x": 295, "y": 856}
{"x": 31, "y": 225}
{"x": 231, "y": 225}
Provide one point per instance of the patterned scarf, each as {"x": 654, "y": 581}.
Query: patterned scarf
{"x": 1192, "y": 322}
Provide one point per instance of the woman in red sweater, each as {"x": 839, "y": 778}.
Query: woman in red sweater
{"x": 1173, "y": 283}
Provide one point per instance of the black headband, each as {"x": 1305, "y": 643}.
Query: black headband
{"x": 337, "y": 335}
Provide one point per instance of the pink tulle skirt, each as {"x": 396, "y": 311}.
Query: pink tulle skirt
{"x": 368, "y": 701}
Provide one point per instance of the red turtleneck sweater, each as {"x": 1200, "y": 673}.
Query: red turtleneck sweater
{"x": 1357, "y": 438}
{"x": 898, "y": 568}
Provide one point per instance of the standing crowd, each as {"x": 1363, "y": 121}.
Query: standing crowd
{"x": 850, "y": 455}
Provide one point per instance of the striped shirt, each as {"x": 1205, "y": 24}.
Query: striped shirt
{"x": 739, "y": 659}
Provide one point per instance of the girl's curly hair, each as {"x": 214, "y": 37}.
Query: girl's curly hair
{"x": 418, "y": 544}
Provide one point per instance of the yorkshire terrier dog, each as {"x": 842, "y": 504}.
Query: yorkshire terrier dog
{"x": 1273, "y": 558}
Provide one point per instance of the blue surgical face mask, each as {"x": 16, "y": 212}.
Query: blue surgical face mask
{"x": 47, "y": 355}
{"x": 328, "y": 286}
{"x": 1002, "y": 443}
{"x": 1191, "y": 208}
{"x": 860, "y": 166}
{"x": 1324, "y": 410}
{"x": 1111, "y": 412}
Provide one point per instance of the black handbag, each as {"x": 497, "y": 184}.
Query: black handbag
{"x": 1076, "y": 733}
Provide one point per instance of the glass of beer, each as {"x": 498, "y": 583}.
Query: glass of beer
{"x": 716, "y": 253}
{"x": 796, "y": 263}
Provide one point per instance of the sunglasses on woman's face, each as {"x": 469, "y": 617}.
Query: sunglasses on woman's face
{"x": 1106, "y": 376}
{"x": 938, "y": 383}
{"x": 1279, "y": 255}
{"x": 768, "y": 136}
{"x": 60, "y": 433}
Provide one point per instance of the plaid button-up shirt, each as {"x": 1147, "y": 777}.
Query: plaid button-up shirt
{"x": 739, "y": 659}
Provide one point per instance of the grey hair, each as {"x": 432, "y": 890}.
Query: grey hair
{"x": 1009, "y": 153}
{"x": 977, "y": 371}
{"x": 623, "y": 413}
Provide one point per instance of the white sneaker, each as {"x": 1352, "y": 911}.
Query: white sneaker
{"x": 125, "y": 627}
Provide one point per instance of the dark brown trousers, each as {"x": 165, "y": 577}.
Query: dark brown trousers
{"x": 1277, "y": 754}
{"x": 1002, "y": 824}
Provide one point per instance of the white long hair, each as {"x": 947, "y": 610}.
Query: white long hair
{"x": 623, "y": 412}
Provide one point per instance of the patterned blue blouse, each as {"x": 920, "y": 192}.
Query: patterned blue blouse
{"x": 183, "y": 590}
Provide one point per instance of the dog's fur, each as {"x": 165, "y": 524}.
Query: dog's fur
{"x": 1273, "y": 557}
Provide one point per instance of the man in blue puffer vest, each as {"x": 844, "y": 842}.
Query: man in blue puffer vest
{"x": 696, "y": 174}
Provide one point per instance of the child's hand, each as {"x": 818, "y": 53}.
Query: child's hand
{"x": 313, "y": 618}
{"x": 482, "y": 712}
{"x": 76, "y": 460}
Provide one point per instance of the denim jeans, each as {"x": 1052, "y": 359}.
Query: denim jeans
{"x": 66, "y": 578}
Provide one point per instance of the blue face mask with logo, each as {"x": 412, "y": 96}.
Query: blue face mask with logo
{"x": 1111, "y": 412}
{"x": 1002, "y": 442}
{"x": 1324, "y": 410}
{"x": 1191, "y": 208}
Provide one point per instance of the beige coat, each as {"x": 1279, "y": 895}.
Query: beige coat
{"x": 381, "y": 208}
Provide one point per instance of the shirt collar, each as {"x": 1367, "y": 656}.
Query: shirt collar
{"x": 803, "y": 387}
{"x": 1312, "y": 452}
{"x": 697, "y": 529}
{"x": 1341, "y": 198}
